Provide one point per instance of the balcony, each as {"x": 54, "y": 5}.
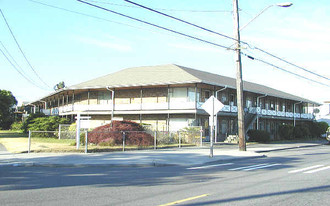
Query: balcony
{"x": 177, "y": 105}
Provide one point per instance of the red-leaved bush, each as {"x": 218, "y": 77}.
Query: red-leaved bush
{"x": 134, "y": 134}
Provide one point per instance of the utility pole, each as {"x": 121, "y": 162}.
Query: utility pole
{"x": 239, "y": 80}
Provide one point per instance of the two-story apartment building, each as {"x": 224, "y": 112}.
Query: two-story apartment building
{"x": 169, "y": 97}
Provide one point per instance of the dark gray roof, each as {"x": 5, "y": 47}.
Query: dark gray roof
{"x": 175, "y": 74}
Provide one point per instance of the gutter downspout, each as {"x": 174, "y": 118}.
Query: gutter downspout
{"x": 294, "y": 112}
{"x": 216, "y": 115}
{"x": 112, "y": 102}
{"x": 260, "y": 108}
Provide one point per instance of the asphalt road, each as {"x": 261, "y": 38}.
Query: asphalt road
{"x": 290, "y": 177}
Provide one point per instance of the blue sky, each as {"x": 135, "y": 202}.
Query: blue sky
{"x": 69, "y": 47}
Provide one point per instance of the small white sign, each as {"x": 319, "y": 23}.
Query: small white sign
{"x": 84, "y": 124}
{"x": 212, "y": 106}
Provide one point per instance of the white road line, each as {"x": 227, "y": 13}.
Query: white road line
{"x": 209, "y": 166}
{"x": 317, "y": 170}
{"x": 260, "y": 167}
{"x": 305, "y": 169}
{"x": 240, "y": 168}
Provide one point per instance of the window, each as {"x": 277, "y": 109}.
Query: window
{"x": 231, "y": 99}
{"x": 207, "y": 94}
{"x": 191, "y": 95}
{"x": 266, "y": 105}
{"x": 272, "y": 105}
{"x": 224, "y": 98}
{"x": 289, "y": 107}
{"x": 248, "y": 102}
{"x": 261, "y": 103}
{"x": 178, "y": 94}
{"x": 103, "y": 97}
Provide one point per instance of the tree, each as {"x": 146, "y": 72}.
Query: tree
{"x": 59, "y": 86}
{"x": 7, "y": 101}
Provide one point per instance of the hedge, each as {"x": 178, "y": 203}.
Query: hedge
{"x": 258, "y": 136}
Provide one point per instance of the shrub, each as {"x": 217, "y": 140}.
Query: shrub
{"x": 190, "y": 135}
{"x": 301, "y": 131}
{"x": 17, "y": 126}
{"x": 286, "y": 131}
{"x": 318, "y": 128}
{"x": 46, "y": 124}
{"x": 258, "y": 136}
{"x": 29, "y": 120}
{"x": 134, "y": 134}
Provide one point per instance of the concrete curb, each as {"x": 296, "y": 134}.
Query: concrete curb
{"x": 82, "y": 165}
{"x": 151, "y": 164}
{"x": 287, "y": 148}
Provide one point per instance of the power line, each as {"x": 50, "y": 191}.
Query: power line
{"x": 270, "y": 64}
{"x": 223, "y": 35}
{"x": 91, "y": 16}
{"x": 80, "y": 13}
{"x": 20, "y": 71}
{"x": 282, "y": 69}
{"x": 154, "y": 25}
{"x": 12, "y": 58}
{"x": 183, "y": 21}
{"x": 163, "y": 9}
{"x": 299, "y": 67}
{"x": 21, "y": 49}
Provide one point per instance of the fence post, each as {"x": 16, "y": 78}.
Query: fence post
{"x": 123, "y": 141}
{"x": 29, "y": 142}
{"x": 86, "y": 141}
{"x": 179, "y": 139}
{"x": 59, "y": 131}
{"x": 155, "y": 140}
{"x": 201, "y": 143}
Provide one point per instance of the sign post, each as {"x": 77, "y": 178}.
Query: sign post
{"x": 81, "y": 123}
{"x": 212, "y": 106}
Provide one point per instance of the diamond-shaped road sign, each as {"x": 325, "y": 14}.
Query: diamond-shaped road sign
{"x": 212, "y": 106}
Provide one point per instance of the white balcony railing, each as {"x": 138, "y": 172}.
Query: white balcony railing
{"x": 164, "y": 105}
{"x": 46, "y": 111}
{"x": 154, "y": 106}
{"x": 182, "y": 105}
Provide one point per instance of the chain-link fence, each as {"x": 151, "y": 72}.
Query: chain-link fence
{"x": 66, "y": 131}
{"x": 65, "y": 140}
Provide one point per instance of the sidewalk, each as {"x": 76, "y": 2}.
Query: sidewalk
{"x": 165, "y": 157}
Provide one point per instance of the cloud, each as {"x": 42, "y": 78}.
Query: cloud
{"x": 106, "y": 44}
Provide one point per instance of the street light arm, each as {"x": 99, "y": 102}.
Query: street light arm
{"x": 262, "y": 11}
{"x": 286, "y": 4}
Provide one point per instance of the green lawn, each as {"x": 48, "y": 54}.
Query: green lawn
{"x": 10, "y": 133}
